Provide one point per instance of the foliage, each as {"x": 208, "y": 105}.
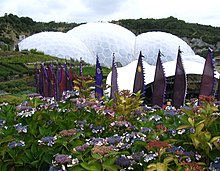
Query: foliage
{"x": 81, "y": 133}
{"x": 24, "y": 57}
{"x": 11, "y": 26}
{"x": 172, "y": 25}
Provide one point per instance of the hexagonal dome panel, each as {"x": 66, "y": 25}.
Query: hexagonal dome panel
{"x": 104, "y": 39}
{"x": 151, "y": 42}
{"x": 58, "y": 44}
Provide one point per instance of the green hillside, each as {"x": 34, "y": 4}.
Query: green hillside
{"x": 17, "y": 73}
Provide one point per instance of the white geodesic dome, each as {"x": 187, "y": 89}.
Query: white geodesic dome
{"x": 58, "y": 44}
{"x": 151, "y": 42}
{"x": 104, "y": 39}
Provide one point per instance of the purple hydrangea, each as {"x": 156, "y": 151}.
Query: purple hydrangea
{"x": 215, "y": 165}
{"x": 114, "y": 140}
{"x": 123, "y": 161}
{"x": 63, "y": 159}
{"x": 49, "y": 141}
{"x": 20, "y": 128}
{"x": 96, "y": 129}
{"x": 14, "y": 144}
{"x": 81, "y": 148}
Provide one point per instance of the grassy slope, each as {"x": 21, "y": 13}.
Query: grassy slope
{"x": 17, "y": 73}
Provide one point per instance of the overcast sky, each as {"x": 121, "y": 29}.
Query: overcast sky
{"x": 192, "y": 11}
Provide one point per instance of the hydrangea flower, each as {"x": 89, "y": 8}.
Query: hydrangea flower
{"x": 114, "y": 139}
{"x": 150, "y": 157}
{"x": 20, "y": 128}
{"x": 97, "y": 141}
{"x": 2, "y": 124}
{"x": 172, "y": 132}
{"x": 62, "y": 159}
{"x": 123, "y": 161}
{"x": 26, "y": 111}
{"x": 68, "y": 133}
{"x": 181, "y": 131}
{"x": 121, "y": 124}
{"x": 145, "y": 130}
{"x": 215, "y": 165}
{"x": 96, "y": 129}
{"x": 138, "y": 156}
{"x": 14, "y": 144}
{"x": 155, "y": 117}
{"x": 102, "y": 150}
{"x": 49, "y": 141}
{"x": 81, "y": 148}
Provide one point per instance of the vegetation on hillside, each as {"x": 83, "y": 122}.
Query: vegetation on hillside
{"x": 17, "y": 72}
{"x": 11, "y": 26}
{"x": 172, "y": 25}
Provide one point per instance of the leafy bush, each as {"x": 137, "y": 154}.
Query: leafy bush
{"x": 81, "y": 133}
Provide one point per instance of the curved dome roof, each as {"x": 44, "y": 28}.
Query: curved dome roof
{"x": 126, "y": 83}
{"x": 104, "y": 39}
{"x": 151, "y": 42}
{"x": 58, "y": 44}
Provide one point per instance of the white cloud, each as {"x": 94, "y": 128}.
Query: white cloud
{"x": 195, "y": 11}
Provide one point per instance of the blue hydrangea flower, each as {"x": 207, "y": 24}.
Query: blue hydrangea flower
{"x": 14, "y": 144}
{"x": 49, "y": 141}
{"x": 123, "y": 161}
{"x": 215, "y": 165}
{"x": 20, "y": 128}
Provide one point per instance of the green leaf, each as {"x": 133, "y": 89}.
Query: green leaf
{"x": 96, "y": 156}
{"x": 28, "y": 154}
{"x": 47, "y": 158}
{"x": 161, "y": 167}
{"x": 199, "y": 128}
{"x": 34, "y": 149}
{"x": 43, "y": 131}
{"x": 152, "y": 167}
{"x": 210, "y": 146}
{"x": 183, "y": 127}
{"x": 216, "y": 145}
{"x": 109, "y": 161}
{"x": 3, "y": 167}
{"x": 195, "y": 141}
{"x": 89, "y": 167}
{"x": 7, "y": 139}
{"x": 191, "y": 121}
{"x": 109, "y": 167}
{"x": 207, "y": 135}
{"x": 35, "y": 163}
{"x": 214, "y": 139}
{"x": 168, "y": 159}
{"x": 77, "y": 168}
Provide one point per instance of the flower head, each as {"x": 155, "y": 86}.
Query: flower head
{"x": 102, "y": 150}
{"x": 215, "y": 165}
{"x": 81, "y": 148}
{"x": 68, "y": 133}
{"x": 158, "y": 144}
{"x": 14, "y": 144}
{"x": 123, "y": 161}
{"x": 49, "y": 141}
{"x": 63, "y": 159}
{"x": 20, "y": 128}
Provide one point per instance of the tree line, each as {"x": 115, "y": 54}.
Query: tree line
{"x": 11, "y": 26}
